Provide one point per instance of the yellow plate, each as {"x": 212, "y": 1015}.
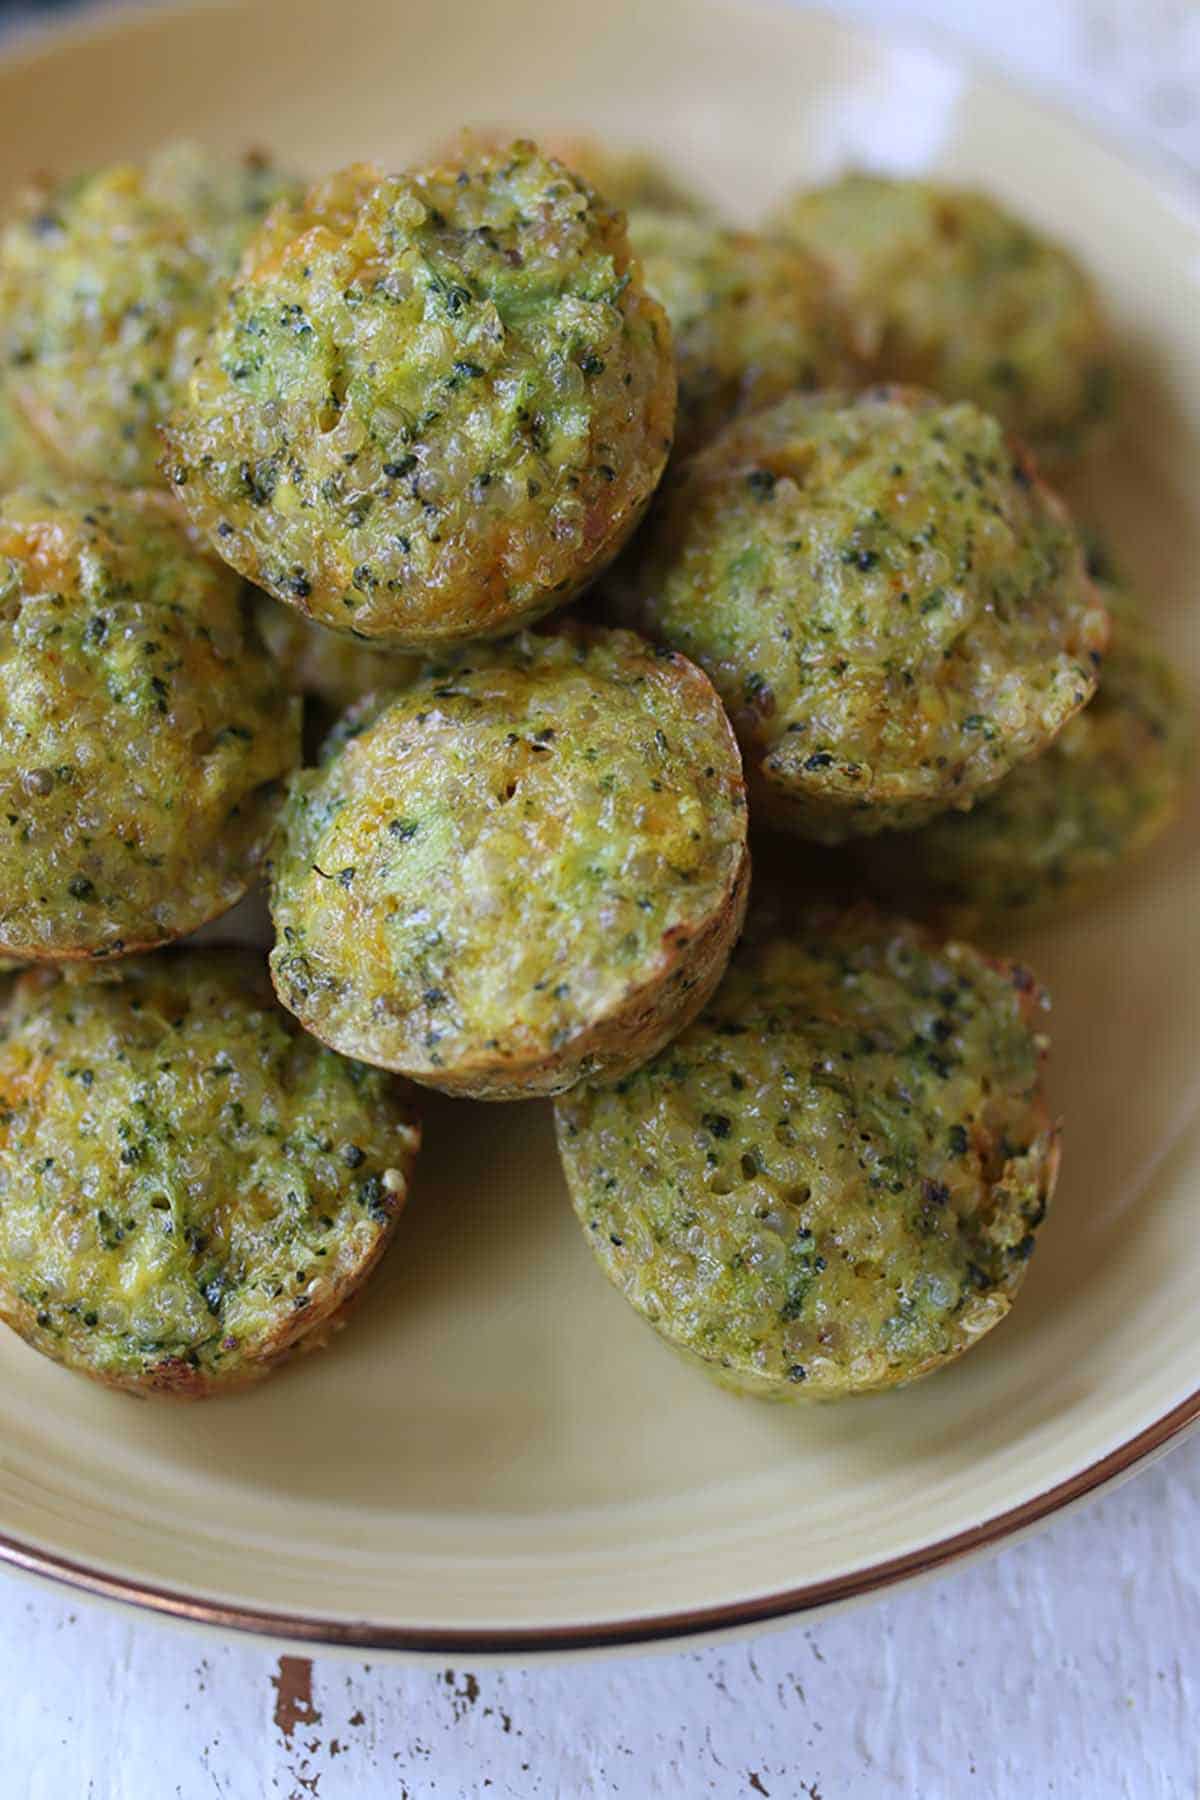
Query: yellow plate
{"x": 498, "y": 1455}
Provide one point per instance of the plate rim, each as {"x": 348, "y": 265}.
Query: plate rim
{"x": 661, "y": 1630}
{"x": 30, "y": 43}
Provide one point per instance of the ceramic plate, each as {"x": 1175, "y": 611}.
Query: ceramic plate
{"x": 498, "y": 1455}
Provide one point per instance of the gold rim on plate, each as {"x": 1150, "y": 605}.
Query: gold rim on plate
{"x": 662, "y": 1629}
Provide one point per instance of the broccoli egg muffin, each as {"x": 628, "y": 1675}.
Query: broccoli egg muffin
{"x": 144, "y": 730}
{"x": 324, "y": 665}
{"x": 190, "y": 1187}
{"x": 529, "y": 867}
{"x": 1056, "y": 829}
{"x": 832, "y": 1181}
{"x": 945, "y": 288}
{"x": 435, "y": 405}
{"x": 107, "y": 281}
{"x": 623, "y": 177}
{"x": 893, "y": 608}
{"x": 751, "y": 318}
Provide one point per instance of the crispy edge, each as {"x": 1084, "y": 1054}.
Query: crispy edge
{"x": 993, "y": 1307}
{"x": 99, "y": 953}
{"x": 649, "y": 1015}
{"x": 314, "y": 1329}
{"x": 823, "y": 809}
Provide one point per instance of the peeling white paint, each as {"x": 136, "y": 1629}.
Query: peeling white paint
{"x": 1066, "y": 1668}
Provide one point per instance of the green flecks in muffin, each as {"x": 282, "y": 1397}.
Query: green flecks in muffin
{"x": 867, "y": 1207}
{"x": 176, "y": 1201}
{"x": 427, "y": 458}
{"x": 495, "y": 859}
{"x": 751, "y": 318}
{"x": 107, "y": 282}
{"x": 1059, "y": 827}
{"x": 143, "y": 730}
{"x": 944, "y": 287}
{"x": 897, "y": 617}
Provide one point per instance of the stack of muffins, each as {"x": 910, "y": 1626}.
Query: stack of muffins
{"x": 484, "y": 556}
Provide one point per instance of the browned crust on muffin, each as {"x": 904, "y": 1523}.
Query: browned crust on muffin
{"x": 691, "y": 964}
{"x": 41, "y": 953}
{"x": 174, "y": 1378}
{"x": 691, "y": 960}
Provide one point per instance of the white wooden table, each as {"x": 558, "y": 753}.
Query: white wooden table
{"x": 1066, "y": 1667}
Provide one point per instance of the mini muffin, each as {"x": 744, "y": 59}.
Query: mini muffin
{"x": 622, "y": 177}
{"x": 893, "y": 608}
{"x": 435, "y": 405}
{"x": 190, "y": 1187}
{"x": 947, "y": 289}
{"x": 528, "y": 867}
{"x": 323, "y": 665}
{"x": 144, "y": 730}
{"x": 751, "y": 318}
{"x": 832, "y": 1181}
{"x": 107, "y": 281}
{"x": 1057, "y": 829}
